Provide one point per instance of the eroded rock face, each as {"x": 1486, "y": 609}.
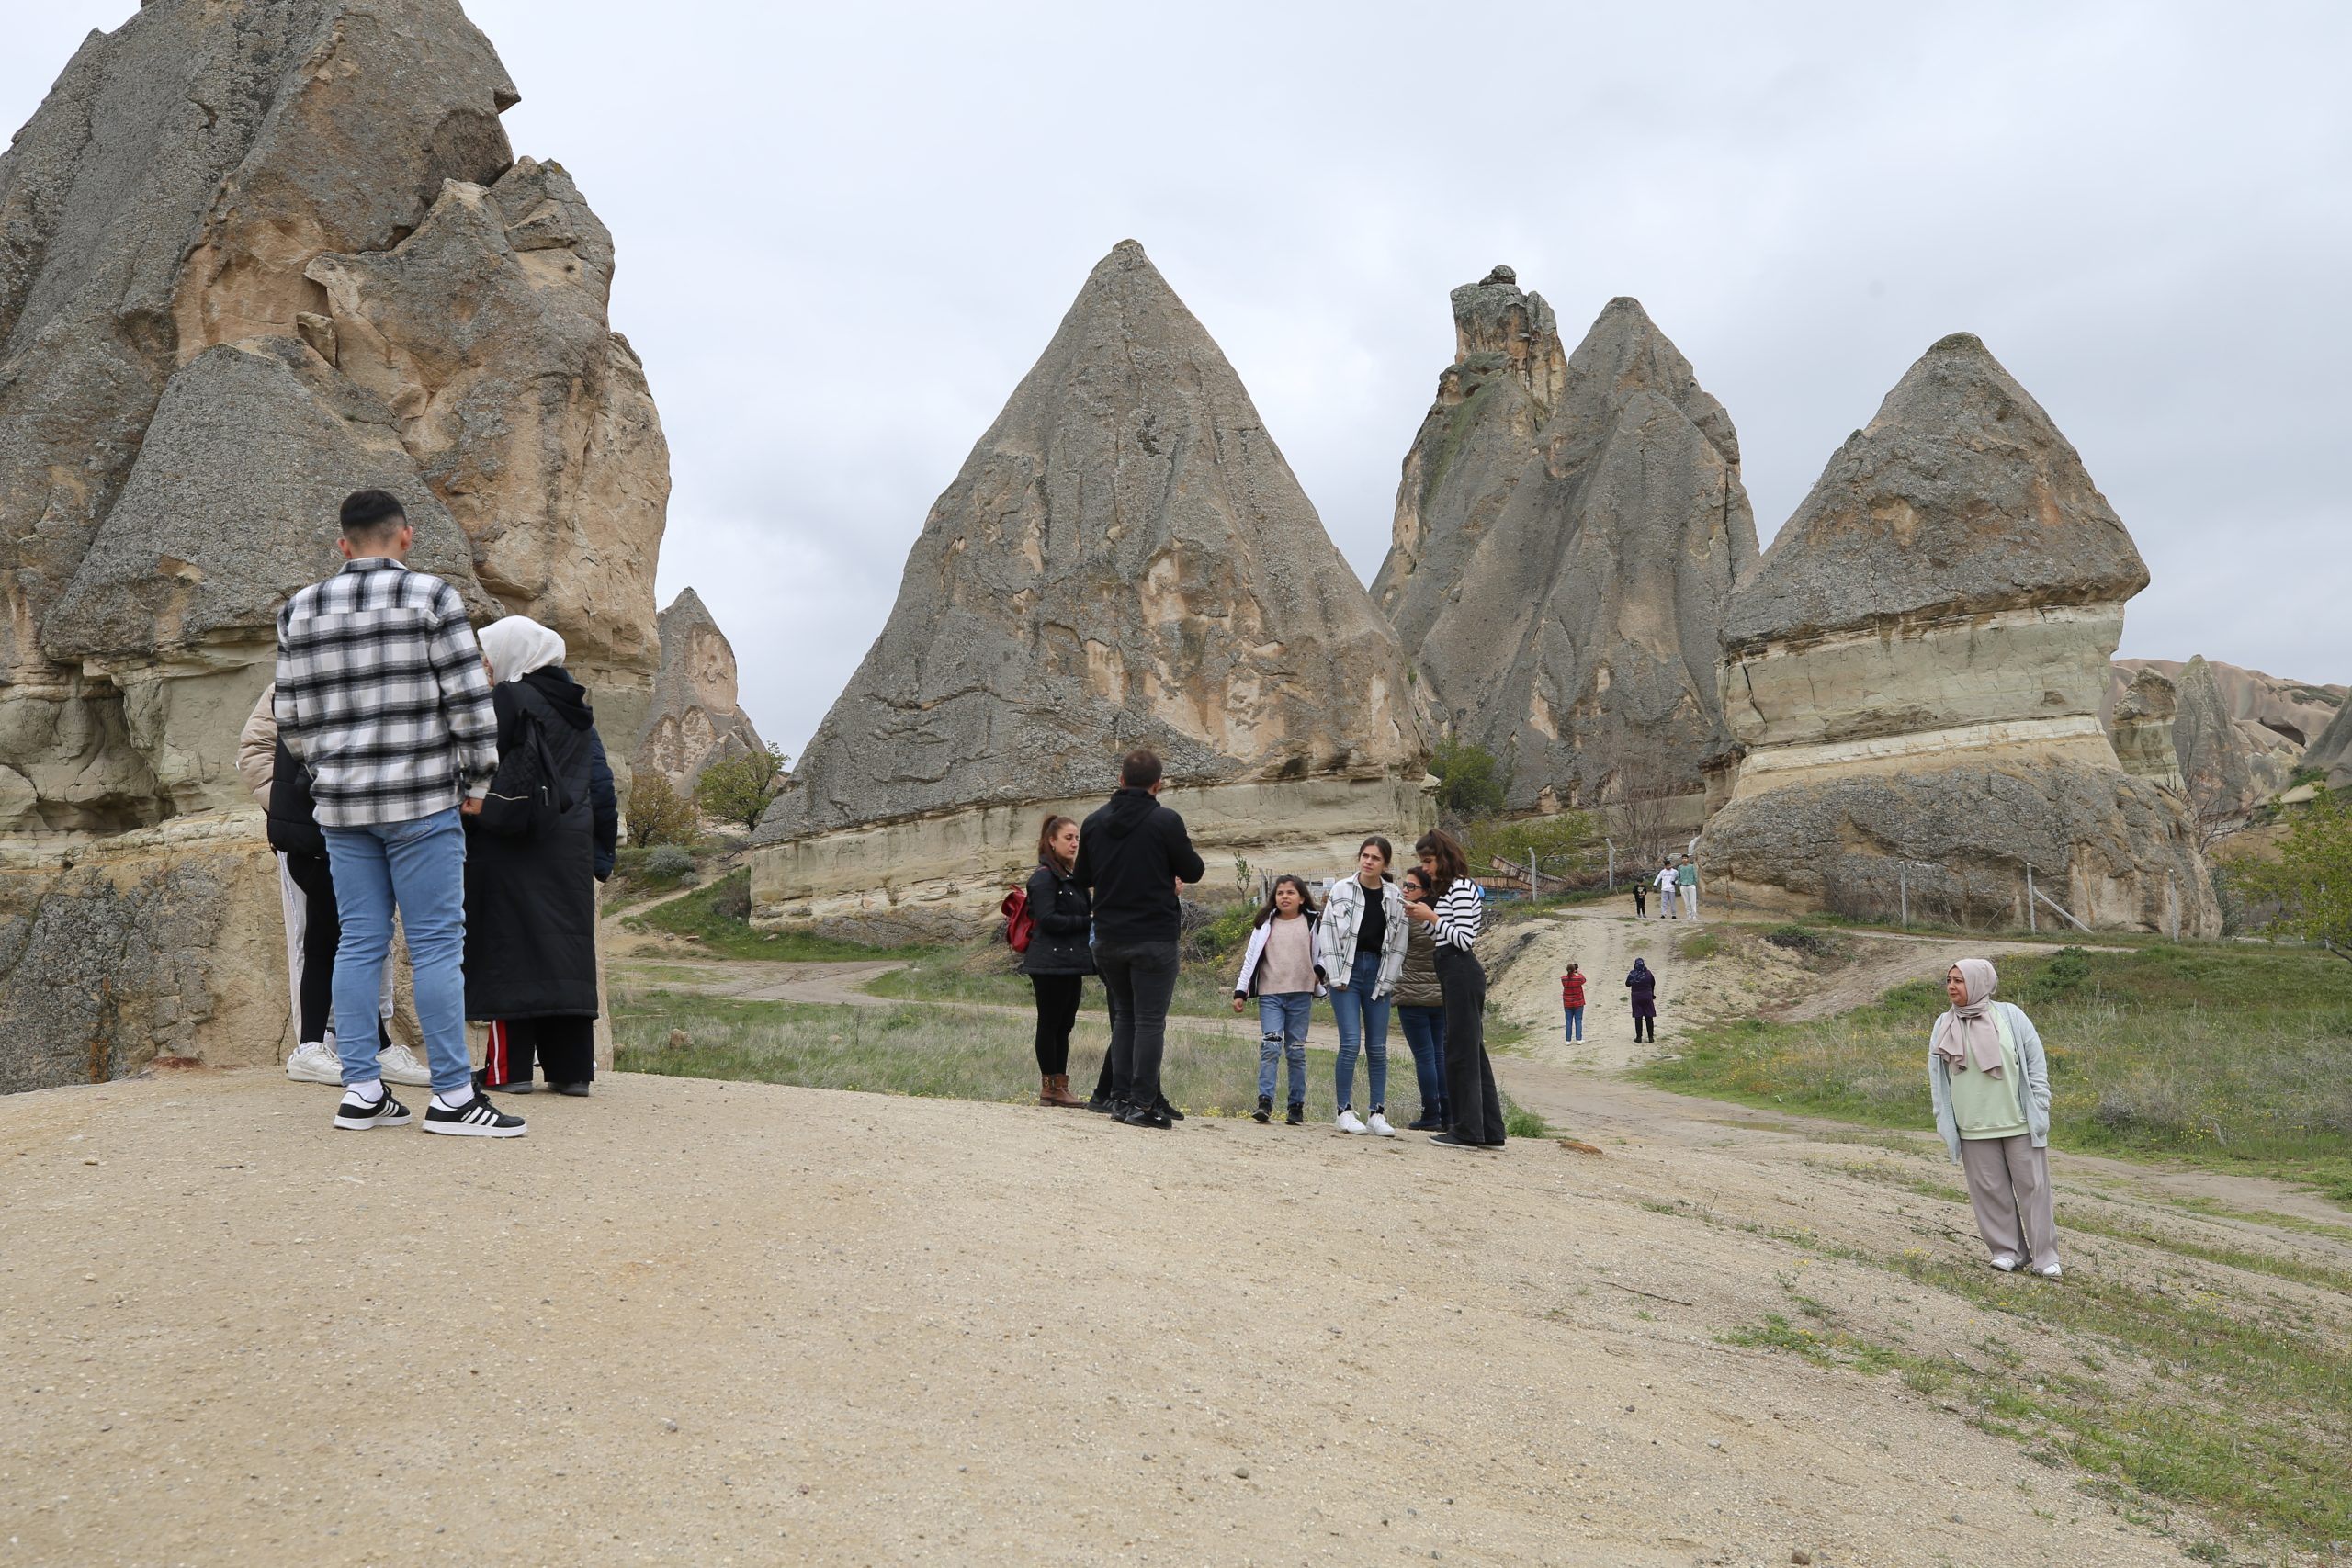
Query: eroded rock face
{"x": 693, "y": 719}
{"x": 1126, "y": 560}
{"x": 1567, "y": 534}
{"x": 2139, "y": 723}
{"x": 2244, "y": 733}
{"x": 2332, "y": 752}
{"x": 184, "y": 399}
{"x": 1936, "y": 618}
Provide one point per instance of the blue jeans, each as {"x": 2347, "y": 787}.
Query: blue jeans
{"x": 420, "y": 866}
{"x": 1574, "y": 1023}
{"x": 1283, "y": 1017}
{"x": 1363, "y": 1020}
{"x": 1425, "y": 1032}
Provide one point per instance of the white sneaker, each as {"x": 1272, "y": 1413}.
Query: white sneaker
{"x": 1348, "y": 1123}
{"x": 399, "y": 1066}
{"x": 315, "y": 1062}
{"x": 2050, "y": 1271}
{"x": 2007, "y": 1262}
{"x": 1380, "y": 1127}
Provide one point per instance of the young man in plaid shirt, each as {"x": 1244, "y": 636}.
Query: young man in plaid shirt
{"x": 381, "y": 695}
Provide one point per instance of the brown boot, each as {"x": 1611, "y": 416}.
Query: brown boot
{"x": 1057, "y": 1091}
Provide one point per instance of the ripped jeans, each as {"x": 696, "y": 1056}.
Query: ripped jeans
{"x": 1283, "y": 1018}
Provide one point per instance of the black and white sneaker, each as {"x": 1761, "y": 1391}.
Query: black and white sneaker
{"x": 476, "y": 1118}
{"x": 353, "y": 1114}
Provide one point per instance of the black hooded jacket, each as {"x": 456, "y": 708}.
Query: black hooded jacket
{"x": 1131, "y": 854}
{"x": 531, "y": 901}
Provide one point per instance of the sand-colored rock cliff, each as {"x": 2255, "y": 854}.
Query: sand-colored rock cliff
{"x": 255, "y": 254}
{"x": 1567, "y": 534}
{"x": 1126, "y": 560}
{"x": 2139, "y": 723}
{"x": 2242, "y": 733}
{"x": 1916, "y": 671}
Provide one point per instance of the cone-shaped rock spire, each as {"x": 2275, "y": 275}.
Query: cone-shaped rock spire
{"x": 695, "y": 719}
{"x": 1562, "y": 565}
{"x": 1126, "y": 560}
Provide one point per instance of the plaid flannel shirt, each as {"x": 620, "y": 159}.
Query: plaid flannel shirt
{"x": 381, "y": 693}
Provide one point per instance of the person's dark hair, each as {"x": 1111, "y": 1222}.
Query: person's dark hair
{"x": 1054, "y": 824}
{"x": 371, "y": 514}
{"x": 1139, "y": 769}
{"x": 1305, "y": 899}
{"x": 1453, "y": 862}
{"x": 1574, "y": 970}
{"x": 1412, "y": 874}
{"x": 1388, "y": 852}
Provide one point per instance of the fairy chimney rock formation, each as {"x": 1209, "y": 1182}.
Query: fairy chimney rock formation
{"x": 1126, "y": 560}
{"x": 1915, "y": 671}
{"x": 2139, "y": 723}
{"x": 2242, "y": 733}
{"x": 694, "y": 719}
{"x": 1567, "y": 534}
{"x": 253, "y": 256}
{"x": 2331, "y": 753}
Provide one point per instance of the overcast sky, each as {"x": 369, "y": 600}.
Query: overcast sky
{"x": 846, "y": 231}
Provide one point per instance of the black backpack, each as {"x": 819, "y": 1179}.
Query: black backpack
{"x": 527, "y": 793}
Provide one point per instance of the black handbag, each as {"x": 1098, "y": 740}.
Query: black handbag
{"x": 526, "y": 793}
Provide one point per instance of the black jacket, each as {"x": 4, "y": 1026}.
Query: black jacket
{"x": 1063, "y": 913}
{"x": 1131, "y": 854}
{"x": 531, "y": 901}
{"x": 293, "y": 817}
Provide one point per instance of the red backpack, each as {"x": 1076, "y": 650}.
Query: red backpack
{"x": 1019, "y": 923}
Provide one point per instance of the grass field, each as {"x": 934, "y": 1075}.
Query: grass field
{"x": 940, "y": 1053}
{"x": 2225, "y": 1054}
{"x": 719, "y": 918}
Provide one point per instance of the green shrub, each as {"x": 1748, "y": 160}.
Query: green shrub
{"x": 658, "y": 814}
{"x": 1470, "y": 781}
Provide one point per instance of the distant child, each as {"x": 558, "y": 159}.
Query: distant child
{"x": 1572, "y": 1001}
{"x": 1641, "y": 898}
{"x": 1279, "y": 969}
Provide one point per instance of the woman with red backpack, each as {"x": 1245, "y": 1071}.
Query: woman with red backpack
{"x": 1055, "y": 952}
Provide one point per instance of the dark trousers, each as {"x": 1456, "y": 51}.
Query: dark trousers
{"x": 1649, "y": 1024}
{"x": 1471, "y": 1098}
{"x": 322, "y": 935}
{"x": 1141, "y": 978}
{"x": 1425, "y": 1032}
{"x": 564, "y": 1048}
{"x": 1057, "y": 1015}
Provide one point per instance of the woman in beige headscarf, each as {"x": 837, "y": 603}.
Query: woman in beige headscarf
{"x": 1991, "y": 1087}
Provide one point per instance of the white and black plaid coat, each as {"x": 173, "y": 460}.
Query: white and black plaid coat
{"x": 381, "y": 693}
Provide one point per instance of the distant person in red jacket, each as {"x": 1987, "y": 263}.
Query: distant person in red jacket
{"x": 1572, "y": 1002}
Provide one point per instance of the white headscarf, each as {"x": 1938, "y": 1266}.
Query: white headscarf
{"x": 518, "y": 645}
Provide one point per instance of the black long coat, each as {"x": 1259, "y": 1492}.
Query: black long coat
{"x": 1064, "y": 915}
{"x": 531, "y": 901}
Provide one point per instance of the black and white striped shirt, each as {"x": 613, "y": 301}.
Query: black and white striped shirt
{"x": 381, "y": 692}
{"x": 1461, "y": 915}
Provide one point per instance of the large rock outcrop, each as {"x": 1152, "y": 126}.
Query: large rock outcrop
{"x": 1126, "y": 560}
{"x": 2139, "y": 723}
{"x": 2331, "y": 750}
{"x": 1916, "y": 670}
{"x": 1567, "y": 532}
{"x": 694, "y": 720}
{"x": 2241, "y": 733}
{"x": 255, "y": 254}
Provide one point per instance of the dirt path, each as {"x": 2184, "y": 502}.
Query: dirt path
{"x": 702, "y": 1322}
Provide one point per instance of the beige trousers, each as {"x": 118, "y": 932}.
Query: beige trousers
{"x": 2008, "y": 1186}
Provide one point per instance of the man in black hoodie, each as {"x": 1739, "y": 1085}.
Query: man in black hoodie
{"x": 1131, "y": 855}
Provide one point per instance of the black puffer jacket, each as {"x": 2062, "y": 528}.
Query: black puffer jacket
{"x": 293, "y": 816}
{"x": 1131, "y": 854}
{"x": 1063, "y": 913}
{"x": 531, "y": 901}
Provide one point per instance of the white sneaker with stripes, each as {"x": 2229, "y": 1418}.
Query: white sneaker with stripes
{"x": 476, "y": 1118}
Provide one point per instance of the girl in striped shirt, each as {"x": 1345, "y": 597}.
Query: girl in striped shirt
{"x": 1454, "y": 915}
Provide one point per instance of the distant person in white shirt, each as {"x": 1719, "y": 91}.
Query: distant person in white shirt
{"x": 1667, "y": 882}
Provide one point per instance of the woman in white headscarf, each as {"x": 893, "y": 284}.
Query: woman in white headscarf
{"x": 1991, "y": 1087}
{"x": 530, "y": 884}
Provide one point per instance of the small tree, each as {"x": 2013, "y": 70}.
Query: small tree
{"x": 2311, "y": 879}
{"x": 1557, "y": 843}
{"x": 1469, "y": 780}
{"x": 737, "y": 787}
{"x": 658, "y": 814}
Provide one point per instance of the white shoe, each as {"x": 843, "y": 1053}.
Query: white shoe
{"x": 2050, "y": 1271}
{"x": 2007, "y": 1262}
{"x": 399, "y": 1066}
{"x": 1380, "y": 1127}
{"x": 315, "y": 1062}
{"x": 1348, "y": 1123}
